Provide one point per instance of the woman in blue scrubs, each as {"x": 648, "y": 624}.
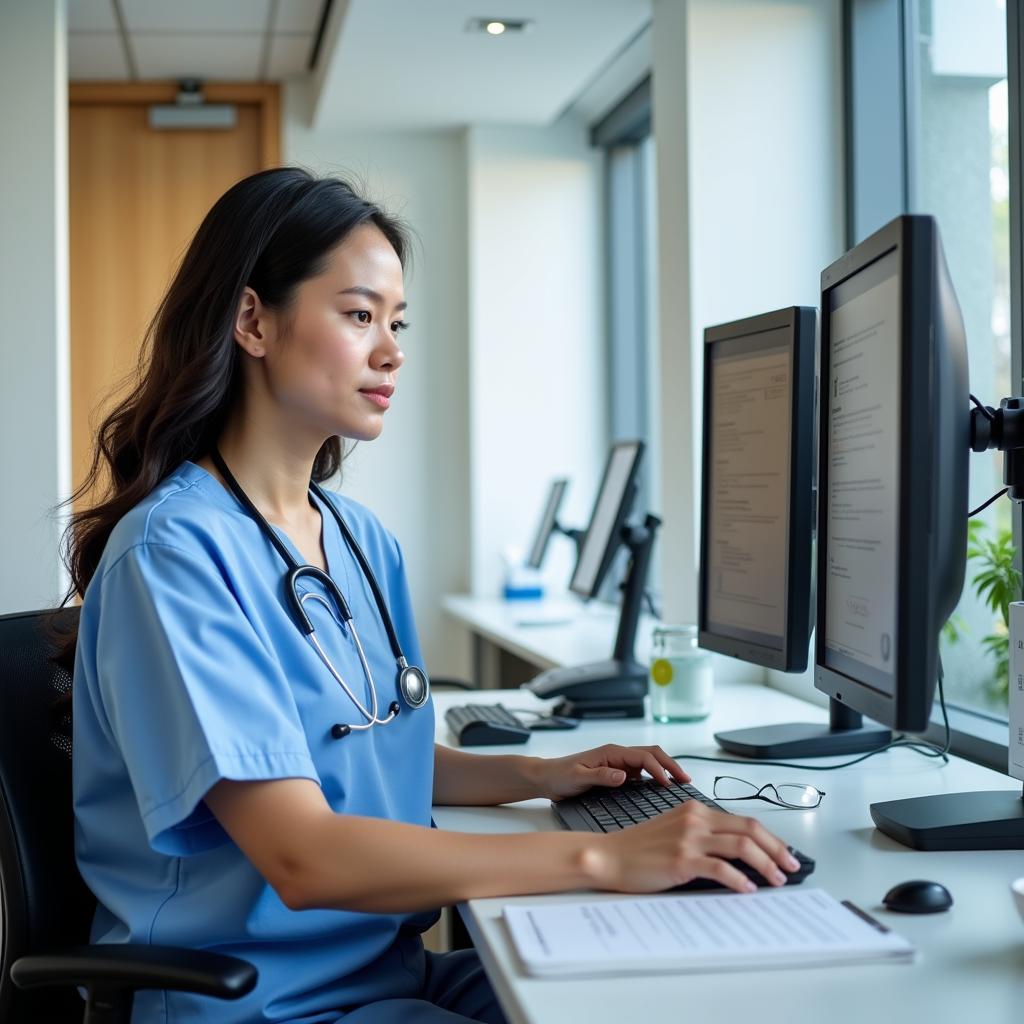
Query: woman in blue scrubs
{"x": 237, "y": 789}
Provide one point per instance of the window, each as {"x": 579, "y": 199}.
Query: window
{"x": 929, "y": 131}
{"x": 959, "y": 173}
{"x": 625, "y": 134}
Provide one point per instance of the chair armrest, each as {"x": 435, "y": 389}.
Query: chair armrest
{"x": 127, "y": 968}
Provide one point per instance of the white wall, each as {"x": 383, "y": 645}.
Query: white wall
{"x": 35, "y": 467}
{"x": 538, "y": 346}
{"x": 414, "y": 476}
{"x": 750, "y": 193}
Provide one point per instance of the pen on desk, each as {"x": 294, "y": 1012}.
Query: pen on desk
{"x": 866, "y": 917}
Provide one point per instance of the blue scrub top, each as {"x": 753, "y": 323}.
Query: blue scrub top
{"x": 190, "y": 669}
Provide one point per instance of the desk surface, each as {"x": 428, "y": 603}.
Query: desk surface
{"x": 971, "y": 964}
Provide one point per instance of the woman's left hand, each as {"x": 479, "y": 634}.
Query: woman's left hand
{"x": 610, "y": 765}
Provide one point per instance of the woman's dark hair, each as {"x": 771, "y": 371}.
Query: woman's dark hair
{"x": 269, "y": 232}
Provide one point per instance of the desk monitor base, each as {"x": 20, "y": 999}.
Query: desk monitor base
{"x": 844, "y": 734}
{"x": 992, "y": 820}
{"x": 800, "y": 739}
{"x": 567, "y": 708}
{"x": 602, "y": 689}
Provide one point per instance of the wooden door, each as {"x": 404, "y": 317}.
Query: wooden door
{"x": 136, "y": 198}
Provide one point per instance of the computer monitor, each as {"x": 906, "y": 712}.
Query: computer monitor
{"x": 614, "y": 688}
{"x": 548, "y": 523}
{"x": 611, "y": 509}
{"x": 892, "y": 472}
{"x": 757, "y": 497}
{"x": 892, "y": 521}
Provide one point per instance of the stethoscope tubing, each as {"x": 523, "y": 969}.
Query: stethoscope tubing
{"x": 415, "y": 693}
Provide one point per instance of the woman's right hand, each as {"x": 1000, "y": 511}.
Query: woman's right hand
{"x": 687, "y": 842}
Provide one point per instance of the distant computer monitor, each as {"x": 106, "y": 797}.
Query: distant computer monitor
{"x": 611, "y": 510}
{"x": 892, "y": 472}
{"x": 757, "y": 503}
{"x": 547, "y": 523}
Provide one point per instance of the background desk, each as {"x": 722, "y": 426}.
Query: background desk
{"x": 971, "y": 966}
{"x": 507, "y": 653}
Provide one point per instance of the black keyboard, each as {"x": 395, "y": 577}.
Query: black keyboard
{"x": 478, "y": 725}
{"x": 607, "y": 810}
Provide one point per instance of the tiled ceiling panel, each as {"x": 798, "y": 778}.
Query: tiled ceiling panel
{"x": 193, "y": 16}
{"x": 289, "y": 55}
{"x": 91, "y": 16}
{"x": 96, "y": 55}
{"x": 297, "y": 15}
{"x": 207, "y": 57}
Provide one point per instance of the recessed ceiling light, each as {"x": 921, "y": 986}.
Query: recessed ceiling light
{"x": 499, "y": 26}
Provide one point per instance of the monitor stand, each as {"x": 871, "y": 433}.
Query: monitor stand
{"x": 844, "y": 734}
{"x": 992, "y": 820}
{"x": 614, "y": 688}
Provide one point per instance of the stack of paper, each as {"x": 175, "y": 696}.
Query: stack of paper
{"x": 728, "y": 931}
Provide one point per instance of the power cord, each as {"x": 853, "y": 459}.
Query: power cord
{"x": 982, "y": 507}
{"x": 922, "y": 747}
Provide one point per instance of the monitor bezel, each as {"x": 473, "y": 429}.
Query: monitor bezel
{"x": 915, "y": 665}
{"x": 541, "y": 539}
{"x": 621, "y": 516}
{"x": 801, "y": 323}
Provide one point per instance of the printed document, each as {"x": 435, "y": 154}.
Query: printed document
{"x": 722, "y": 931}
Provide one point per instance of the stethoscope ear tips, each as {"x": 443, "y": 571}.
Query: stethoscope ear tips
{"x": 393, "y": 708}
{"x": 339, "y": 731}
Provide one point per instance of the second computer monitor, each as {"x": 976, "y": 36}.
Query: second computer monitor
{"x": 757, "y": 505}
{"x": 611, "y": 509}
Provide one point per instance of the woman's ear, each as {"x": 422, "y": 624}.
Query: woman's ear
{"x": 253, "y": 323}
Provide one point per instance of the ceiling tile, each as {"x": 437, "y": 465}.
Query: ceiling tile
{"x": 91, "y": 16}
{"x": 96, "y": 55}
{"x": 289, "y": 55}
{"x": 194, "y": 16}
{"x": 211, "y": 58}
{"x": 298, "y": 15}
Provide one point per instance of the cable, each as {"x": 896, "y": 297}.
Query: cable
{"x": 650, "y": 605}
{"x": 983, "y": 409}
{"x": 981, "y": 508}
{"x": 922, "y": 747}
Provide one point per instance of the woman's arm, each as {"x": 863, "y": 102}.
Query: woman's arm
{"x": 461, "y": 778}
{"x": 313, "y": 857}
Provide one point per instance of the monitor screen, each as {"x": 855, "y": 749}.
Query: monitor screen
{"x": 547, "y": 523}
{"x": 892, "y": 468}
{"x": 609, "y": 516}
{"x": 757, "y": 488}
{"x": 862, "y": 444}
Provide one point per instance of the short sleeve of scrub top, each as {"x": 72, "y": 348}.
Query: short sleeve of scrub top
{"x": 191, "y": 693}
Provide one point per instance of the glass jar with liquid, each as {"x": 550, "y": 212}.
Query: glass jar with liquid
{"x": 679, "y": 680}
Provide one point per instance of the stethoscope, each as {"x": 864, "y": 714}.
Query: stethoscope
{"x": 412, "y": 681}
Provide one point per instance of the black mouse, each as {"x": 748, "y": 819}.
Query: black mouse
{"x": 918, "y": 897}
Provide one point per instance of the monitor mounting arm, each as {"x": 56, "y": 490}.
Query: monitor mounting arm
{"x": 1002, "y": 429}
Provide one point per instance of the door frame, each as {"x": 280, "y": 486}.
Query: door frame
{"x": 264, "y": 95}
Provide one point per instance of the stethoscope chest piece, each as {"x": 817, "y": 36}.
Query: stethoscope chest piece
{"x": 414, "y": 686}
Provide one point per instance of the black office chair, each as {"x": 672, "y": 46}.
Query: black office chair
{"x": 45, "y": 908}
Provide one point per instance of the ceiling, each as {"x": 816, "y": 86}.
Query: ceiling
{"x": 234, "y": 40}
{"x": 382, "y": 63}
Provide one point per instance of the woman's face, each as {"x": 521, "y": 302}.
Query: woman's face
{"x": 336, "y": 355}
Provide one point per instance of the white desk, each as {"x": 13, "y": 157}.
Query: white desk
{"x": 971, "y": 967}
{"x": 578, "y": 634}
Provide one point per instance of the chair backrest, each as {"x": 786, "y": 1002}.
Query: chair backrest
{"x": 45, "y": 904}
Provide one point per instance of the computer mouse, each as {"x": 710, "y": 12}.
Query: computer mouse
{"x": 918, "y": 897}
